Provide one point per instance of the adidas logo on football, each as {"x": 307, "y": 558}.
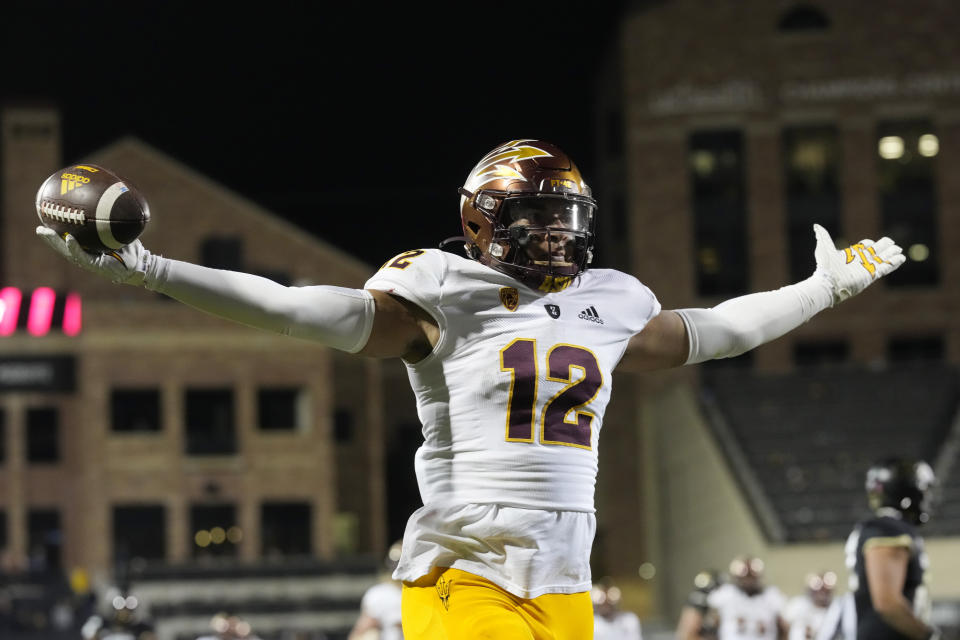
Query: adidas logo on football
{"x": 71, "y": 181}
{"x": 590, "y": 313}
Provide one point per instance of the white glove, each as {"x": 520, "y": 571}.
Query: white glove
{"x": 127, "y": 265}
{"x": 855, "y": 268}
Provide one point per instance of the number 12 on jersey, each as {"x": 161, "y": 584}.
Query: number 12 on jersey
{"x": 519, "y": 358}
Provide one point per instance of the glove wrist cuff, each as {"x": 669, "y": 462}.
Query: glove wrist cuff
{"x": 155, "y": 272}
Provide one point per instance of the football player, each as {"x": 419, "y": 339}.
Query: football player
{"x": 886, "y": 556}
{"x": 745, "y": 606}
{"x": 610, "y": 622}
{"x": 510, "y": 352}
{"x": 805, "y": 613}
{"x": 380, "y": 606}
{"x": 698, "y": 621}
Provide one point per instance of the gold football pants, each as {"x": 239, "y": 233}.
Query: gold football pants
{"x": 449, "y": 604}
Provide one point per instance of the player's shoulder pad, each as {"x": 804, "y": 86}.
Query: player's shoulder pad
{"x": 416, "y": 275}
{"x": 631, "y": 292}
{"x": 886, "y": 532}
{"x": 721, "y": 595}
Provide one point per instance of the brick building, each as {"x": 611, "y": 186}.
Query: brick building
{"x": 164, "y": 433}
{"x": 725, "y": 130}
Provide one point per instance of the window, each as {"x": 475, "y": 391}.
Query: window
{"x": 915, "y": 349}
{"x": 285, "y": 529}
{"x": 222, "y": 252}
{"x": 343, "y": 425}
{"x": 803, "y": 17}
{"x": 44, "y": 540}
{"x": 719, "y": 212}
{"x": 209, "y": 422}
{"x": 280, "y": 409}
{"x": 819, "y": 354}
{"x": 43, "y": 435}
{"x": 139, "y": 531}
{"x": 811, "y": 159}
{"x": 906, "y": 153}
{"x": 214, "y": 530}
{"x": 135, "y": 410}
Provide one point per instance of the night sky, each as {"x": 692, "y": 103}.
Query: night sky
{"x": 357, "y": 123}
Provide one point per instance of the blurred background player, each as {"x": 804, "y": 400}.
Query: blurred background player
{"x": 122, "y": 617}
{"x": 610, "y": 622}
{"x": 887, "y": 556}
{"x": 747, "y": 608}
{"x": 228, "y": 627}
{"x": 380, "y": 607}
{"x": 698, "y": 621}
{"x": 805, "y": 613}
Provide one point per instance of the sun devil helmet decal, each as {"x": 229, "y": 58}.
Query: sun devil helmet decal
{"x": 527, "y": 212}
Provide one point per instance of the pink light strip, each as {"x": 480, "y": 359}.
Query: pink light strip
{"x": 10, "y": 299}
{"x": 41, "y": 311}
{"x": 72, "y": 315}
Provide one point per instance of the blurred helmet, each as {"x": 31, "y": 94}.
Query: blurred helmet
{"x": 392, "y": 559}
{"x": 747, "y": 573}
{"x": 704, "y": 583}
{"x": 820, "y": 587}
{"x": 706, "y": 580}
{"x": 527, "y": 212}
{"x": 605, "y": 596}
{"x": 902, "y": 484}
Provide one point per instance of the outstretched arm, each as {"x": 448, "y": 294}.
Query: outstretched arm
{"x": 688, "y": 336}
{"x": 352, "y": 320}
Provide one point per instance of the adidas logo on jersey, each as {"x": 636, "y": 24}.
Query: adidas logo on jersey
{"x": 590, "y": 313}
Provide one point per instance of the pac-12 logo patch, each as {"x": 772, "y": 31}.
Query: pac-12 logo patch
{"x": 510, "y": 298}
{"x": 553, "y": 310}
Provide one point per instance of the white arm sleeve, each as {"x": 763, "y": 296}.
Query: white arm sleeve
{"x": 335, "y": 316}
{"x": 740, "y": 324}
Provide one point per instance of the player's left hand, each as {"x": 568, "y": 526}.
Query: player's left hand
{"x": 127, "y": 265}
{"x": 855, "y": 268}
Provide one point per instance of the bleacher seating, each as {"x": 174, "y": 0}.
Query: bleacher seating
{"x": 306, "y": 597}
{"x": 809, "y": 436}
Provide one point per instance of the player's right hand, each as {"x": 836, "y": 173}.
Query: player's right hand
{"x": 855, "y": 268}
{"x": 127, "y": 265}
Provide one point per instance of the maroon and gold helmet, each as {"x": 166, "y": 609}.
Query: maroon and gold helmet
{"x": 527, "y": 212}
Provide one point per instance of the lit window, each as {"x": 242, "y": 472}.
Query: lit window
{"x": 719, "y": 211}
{"x": 908, "y": 197}
{"x": 811, "y": 161}
{"x": 928, "y": 145}
{"x": 890, "y": 147}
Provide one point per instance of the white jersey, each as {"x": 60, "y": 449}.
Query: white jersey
{"x": 804, "y": 618}
{"x": 511, "y": 400}
{"x": 744, "y": 617}
{"x": 625, "y": 625}
{"x": 382, "y": 603}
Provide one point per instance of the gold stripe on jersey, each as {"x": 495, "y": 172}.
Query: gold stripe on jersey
{"x": 889, "y": 541}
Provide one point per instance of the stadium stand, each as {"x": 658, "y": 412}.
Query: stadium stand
{"x": 799, "y": 443}
{"x": 306, "y": 598}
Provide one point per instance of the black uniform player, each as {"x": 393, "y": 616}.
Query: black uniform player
{"x": 887, "y": 554}
{"x": 697, "y": 620}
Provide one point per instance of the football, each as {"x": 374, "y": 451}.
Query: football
{"x": 100, "y": 209}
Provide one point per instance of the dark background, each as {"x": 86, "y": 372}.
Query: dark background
{"x": 357, "y": 122}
